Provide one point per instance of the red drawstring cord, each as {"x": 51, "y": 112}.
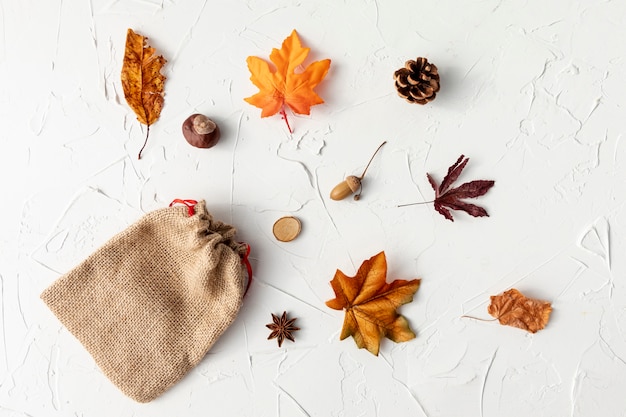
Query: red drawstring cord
{"x": 189, "y": 203}
{"x": 246, "y": 262}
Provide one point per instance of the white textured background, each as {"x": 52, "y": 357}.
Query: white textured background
{"x": 532, "y": 91}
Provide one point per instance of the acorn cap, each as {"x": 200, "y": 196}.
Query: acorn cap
{"x": 353, "y": 182}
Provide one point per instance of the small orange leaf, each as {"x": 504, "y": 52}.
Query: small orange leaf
{"x": 142, "y": 80}
{"x": 370, "y": 304}
{"x": 512, "y": 308}
{"x": 283, "y": 85}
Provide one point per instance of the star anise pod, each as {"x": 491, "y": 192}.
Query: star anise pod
{"x": 282, "y": 328}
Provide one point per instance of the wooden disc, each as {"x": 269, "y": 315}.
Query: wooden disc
{"x": 287, "y": 228}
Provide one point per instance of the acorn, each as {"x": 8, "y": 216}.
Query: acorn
{"x": 352, "y": 183}
{"x": 200, "y": 131}
{"x": 345, "y": 188}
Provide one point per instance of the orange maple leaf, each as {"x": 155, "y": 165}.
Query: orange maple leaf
{"x": 370, "y": 304}
{"x": 283, "y": 85}
{"x": 142, "y": 80}
{"x": 512, "y": 308}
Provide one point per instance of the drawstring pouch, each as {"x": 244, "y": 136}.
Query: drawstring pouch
{"x": 149, "y": 304}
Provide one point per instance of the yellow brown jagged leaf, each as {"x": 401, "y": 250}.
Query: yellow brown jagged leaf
{"x": 142, "y": 80}
{"x": 370, "y": 304}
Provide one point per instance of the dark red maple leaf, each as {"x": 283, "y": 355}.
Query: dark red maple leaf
{"x": 451, "y": 198}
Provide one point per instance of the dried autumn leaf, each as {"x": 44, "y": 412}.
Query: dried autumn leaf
{"x": 142, "y": 80}
{"x": 452, "y": 197}
{"x": 512, "y": 308}
{"x": 370, "y": 304}
{"x": 283, "y": 85}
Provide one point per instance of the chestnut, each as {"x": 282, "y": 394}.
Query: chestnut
{"x": 200, "y": 131}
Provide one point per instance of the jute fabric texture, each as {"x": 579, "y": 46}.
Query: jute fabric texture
{"x": 151, "y": 302}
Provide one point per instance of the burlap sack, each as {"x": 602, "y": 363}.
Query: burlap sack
{"x": 151, "y": 302}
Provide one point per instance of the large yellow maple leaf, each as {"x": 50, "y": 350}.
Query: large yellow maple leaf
{"x": 370, "y": 304}
{"x": 283, "y": 85}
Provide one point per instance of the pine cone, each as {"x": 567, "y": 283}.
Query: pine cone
{"x": 418, "y": 81}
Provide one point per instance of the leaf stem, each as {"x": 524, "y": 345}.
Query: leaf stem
{"x": 414, "y": 204}
{"x": 371, "y": 159}
{"x": 144, "y": 142}
{"x": 283, "y": 113}
{"x": 476, "y": 318}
